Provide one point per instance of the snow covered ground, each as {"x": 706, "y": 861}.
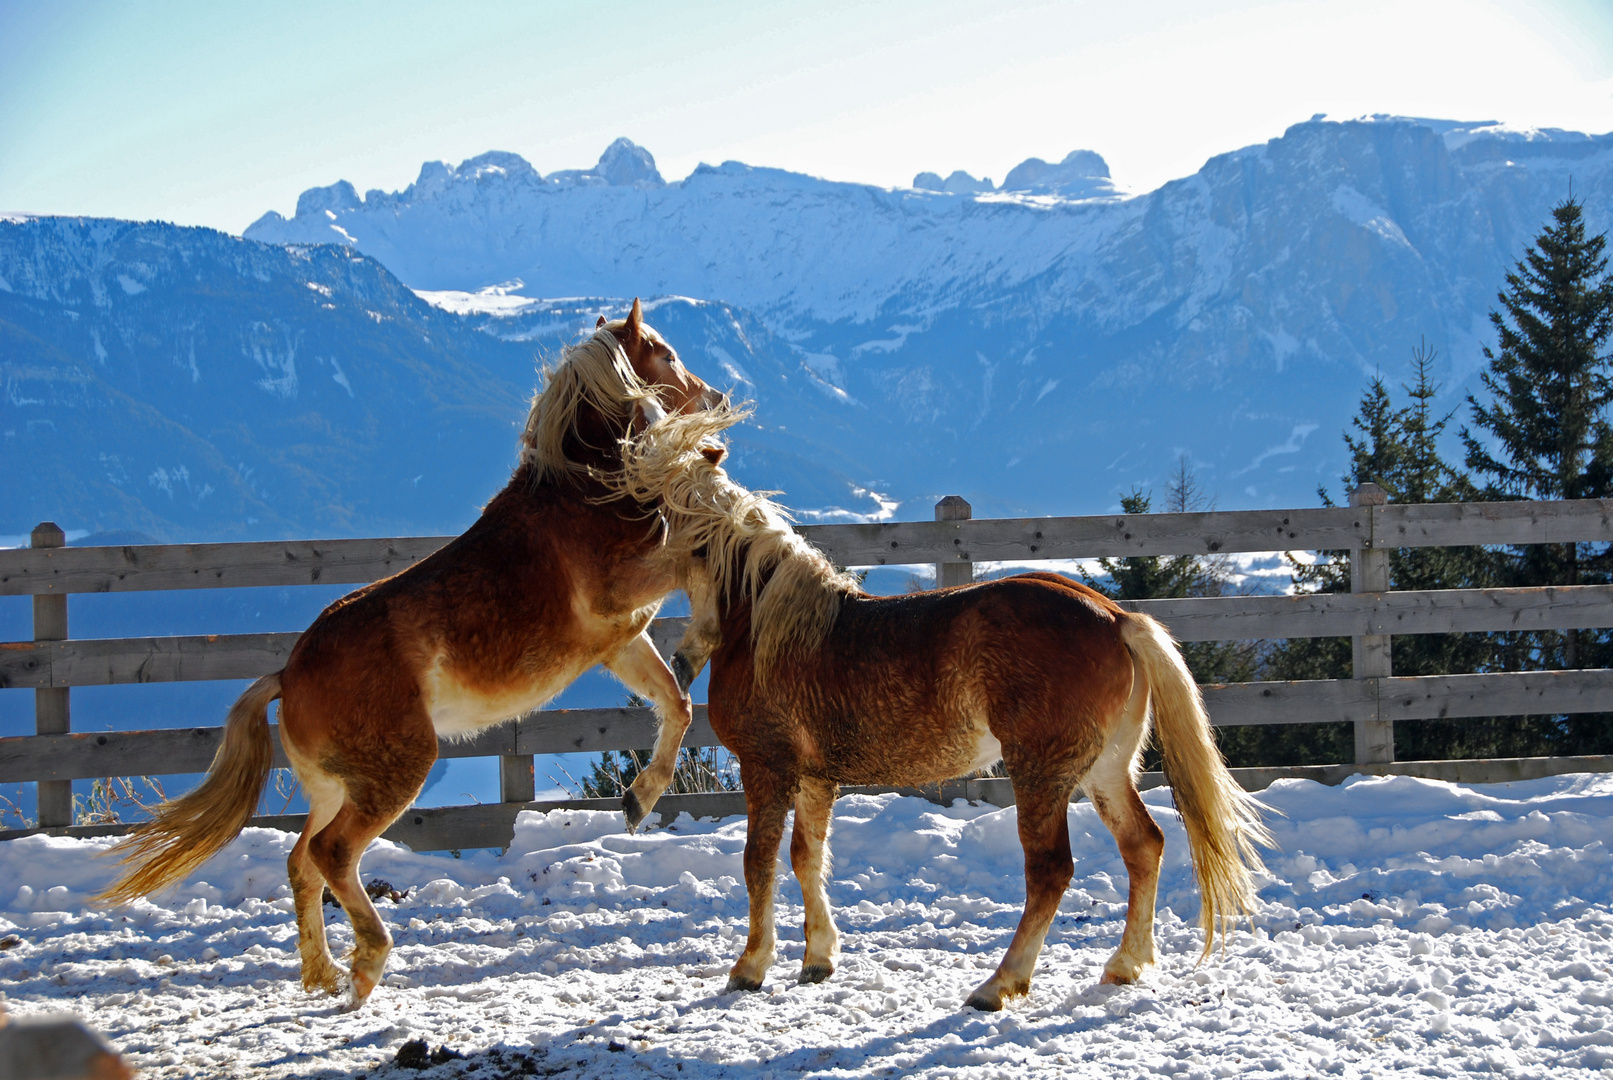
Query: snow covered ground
{"x": 1407, "y": 927}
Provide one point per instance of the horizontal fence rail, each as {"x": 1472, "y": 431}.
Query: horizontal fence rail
{"x": 1373, "y": 700}
{"x": 166, "y": 751}
{"x": 36, "y": 571}
{"x": 111, "y": 661}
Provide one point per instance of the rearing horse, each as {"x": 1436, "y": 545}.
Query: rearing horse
{"x": 558, "y": 574}
{"x": 815, "y": 683}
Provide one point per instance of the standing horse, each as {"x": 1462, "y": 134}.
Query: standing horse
{"x": 558, "y": 574}
{"x": 814, "y": 684}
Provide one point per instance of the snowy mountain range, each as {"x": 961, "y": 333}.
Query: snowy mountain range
{"x": 1034, "y": 348}
{"x": 1041, "y": 346}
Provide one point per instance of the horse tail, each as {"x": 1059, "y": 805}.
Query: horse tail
{"x": 187, "y": 831}
{"x": 1222, "y": 820}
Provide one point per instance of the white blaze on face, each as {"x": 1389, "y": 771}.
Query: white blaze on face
{"x": 652, "y": 410}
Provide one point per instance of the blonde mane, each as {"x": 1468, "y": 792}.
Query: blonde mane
{"x": 740, "y": 540}
{"x": 594, "y": 374}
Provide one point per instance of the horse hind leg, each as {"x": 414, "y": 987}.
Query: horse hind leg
{"x": 639, "y": 666}
{"x": 335, "y": 850}
{"x": 809, "y": 856}
{"x": 375, "y": 796}
{"x": 1044, "y": 832}
{"x": 325, "y": 795}
{"x": 1114, "y": 795}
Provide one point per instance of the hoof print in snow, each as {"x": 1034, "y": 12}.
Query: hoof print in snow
{"x": 417, "y": 1054}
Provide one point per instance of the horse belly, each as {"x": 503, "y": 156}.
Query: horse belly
{"x": 459, "y": 709}
{"x": 988, "y": 751}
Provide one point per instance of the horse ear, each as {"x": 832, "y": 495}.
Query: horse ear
{"x": 713, "y": 453}
{"x": 600, "y": 323}
{"x": 634, "y": 328}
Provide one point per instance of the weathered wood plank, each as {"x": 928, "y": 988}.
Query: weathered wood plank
{"x": 1323, "y": 701}
{"x": 166, "y": 751}
{"x": 1510, "y": 693}
{"x": 105, "y": 661}
{"x": 442, "y": 828}
{"x": 589, "y": 731}
{"x": 116, "y": 661}
{"x": 84, "y": 755}
{"x": 1018, "y": 539}
{"x": 1433, "y": 611}
{"x": 209, "y": 566}
{"x": 1422, "y": 697}
{"x": 1000, "y": 792}
{"x": 26, "y": 758}
{"x": 299, "y": 562}
{"x": 101, "y": 662}
{"x": 1458, "y": 524}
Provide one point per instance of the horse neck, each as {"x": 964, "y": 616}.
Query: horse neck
{"x": 594, "y": 442}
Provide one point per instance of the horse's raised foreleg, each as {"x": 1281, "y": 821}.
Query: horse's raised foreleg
{"x": 1044, "y": 832}
{"x": 639, "y": 666}
{"x": 809, "y": 855}
{"x": 767, "y": 800}
{"x": 1114, "y": 796}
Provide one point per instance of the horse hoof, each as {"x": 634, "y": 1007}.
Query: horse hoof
{"x": 327, "y": 981}
{"x": 739, "y": 982}
{"x": 635, "y": 812}
{"x": 984, "y": 1002}
{"x": 683, "y": 671}
{"x": 816, "y": 973}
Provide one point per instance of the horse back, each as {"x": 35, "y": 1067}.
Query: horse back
{"x": 909, "y": 689}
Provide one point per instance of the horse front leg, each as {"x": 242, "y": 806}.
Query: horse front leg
{"x": 809, "y": 855}
{"x": 703, "y": 634}
{"x": 639, "y": 666}
{"x": 767, "y": 800}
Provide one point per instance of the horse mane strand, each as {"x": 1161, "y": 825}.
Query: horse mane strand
{"x": 744, "y": 538}
{"x": 595, "y": 374}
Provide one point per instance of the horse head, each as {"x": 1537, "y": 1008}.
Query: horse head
{"x": 614, "y": 384}
{"x": 678, "y": 390}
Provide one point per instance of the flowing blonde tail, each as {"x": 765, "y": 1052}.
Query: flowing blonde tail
{"x": 1222, "y": 820}
{"x": 191, "y": 829}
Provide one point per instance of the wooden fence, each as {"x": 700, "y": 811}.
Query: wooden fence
{"x": 1373, "y": 700}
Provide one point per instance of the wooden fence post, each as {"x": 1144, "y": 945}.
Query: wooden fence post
{"x": 1369, "y": 572}
{"x": 516, "y": 782}
{"x": 962, "y": 571}
{"x": 51, "y": 714}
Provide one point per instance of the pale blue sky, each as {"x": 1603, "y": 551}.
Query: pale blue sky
{"x": 211, "y": 113}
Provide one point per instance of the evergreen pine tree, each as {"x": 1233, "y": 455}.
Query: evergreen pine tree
{"x": 1550, "y": 382}
{"x": 1398, "y": 449}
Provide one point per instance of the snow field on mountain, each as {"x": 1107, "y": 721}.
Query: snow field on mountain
{"x": 1406, "y": 927}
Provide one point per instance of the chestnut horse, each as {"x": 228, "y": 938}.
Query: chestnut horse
{"x": 558, "y": 574}
{"x": 815, "y": 683}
